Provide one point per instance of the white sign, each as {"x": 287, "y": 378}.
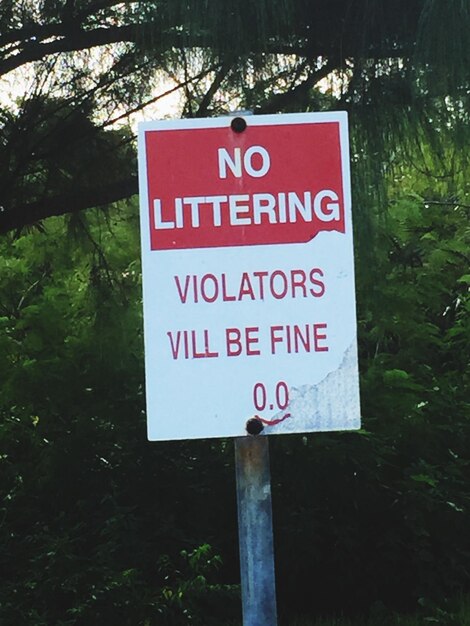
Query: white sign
{"x": 248, "y": 279}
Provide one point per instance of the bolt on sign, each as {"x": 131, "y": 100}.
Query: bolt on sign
{"x": 248, "y": 278}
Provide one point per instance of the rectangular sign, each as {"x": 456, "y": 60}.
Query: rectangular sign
{"x": 248, "y": 278}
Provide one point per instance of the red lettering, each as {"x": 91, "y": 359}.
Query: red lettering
{"x": 318, "y": 337}
{"x": 285, "y": 285}
{"x": 277, "y": 284}
{"x": 196, "y": 298}
{"x": 225, "y": 296}
{"x": 215, "y": 287}
{"x": 175, "y": 346}
{"x": 297, "y": 338}
{"x": 196, "y": 354}
{"x": 183, "y": 293}
{"x": 252, "y": 340}
{"x": 208, "y": 353}
{"x": 245, "y": 287}
{"x": 186, "y": 344}
{"x": 234, "y": 345}
{"x": 298, "y": 278}
{"x": 305, "y": 339}
{"x": 261, "y": 276}
{"x": 319, "y": 286}
{"x": 275, "y": 338}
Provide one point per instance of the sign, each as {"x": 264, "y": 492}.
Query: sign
{"x": 248, "y": 279}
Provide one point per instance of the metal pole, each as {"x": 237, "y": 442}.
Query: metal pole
{"x": 255, "y": 520}
{"x": 255, "y": 531}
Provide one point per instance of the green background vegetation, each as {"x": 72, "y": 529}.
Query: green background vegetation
{"x": 98, "y": 526}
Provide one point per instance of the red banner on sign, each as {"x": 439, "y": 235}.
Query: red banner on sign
{"x": 269, "y": 184}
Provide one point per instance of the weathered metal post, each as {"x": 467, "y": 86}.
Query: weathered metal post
{"x": 255, "y": 520}
{"x": 255, "y": 531}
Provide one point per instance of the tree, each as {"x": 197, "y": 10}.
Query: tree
{"x": 99, "y": 527}
{"x": 96, "y": 525}
{"x": 77, "y": 68}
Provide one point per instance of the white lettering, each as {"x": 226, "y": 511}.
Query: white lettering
{"x": 246, "y": 209}
{"x": 281, "y": 197}
{"x": 236, "y": 208}
{"x": 157, "y": 216}
{"x": 234, "y": 165}
{"x": 265, "y": 161}
{"x": 179, "y": 212}
{"x": 264, "y": 203}
{"x": 217, "y": 202}
{"x": 329, "y": 213}
{"x": 296, "y": 206}
{"x": 234, "y": 162}
{"x": 194, "y": 203}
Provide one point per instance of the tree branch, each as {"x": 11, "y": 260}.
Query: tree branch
{"x": 218, "y": 80}
{"x": 454, "y": 203}
{"x": 15, "y": 218}
{"x": 74, "y": 39}
{"x": 78, "y": 40}
{"x": 280, "y": 100}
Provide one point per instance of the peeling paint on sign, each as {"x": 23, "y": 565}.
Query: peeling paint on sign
{"x": 248, "y": 278}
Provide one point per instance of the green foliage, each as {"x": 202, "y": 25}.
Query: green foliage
{"x": 383, "y": 512}
{"x": 99, "y": 526}
{"x": 188, "y": 596}
{"x": 72, "y": 71}
{"x": 452, "y": 613}
{"x": 89, "y": 510}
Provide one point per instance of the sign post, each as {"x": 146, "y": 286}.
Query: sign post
{"x": 255, "y": 531}
{"x": 248, "y": 294}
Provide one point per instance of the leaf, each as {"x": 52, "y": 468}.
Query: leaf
{"x": 394, "y": 376}
{"x": 424, "y": 478}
